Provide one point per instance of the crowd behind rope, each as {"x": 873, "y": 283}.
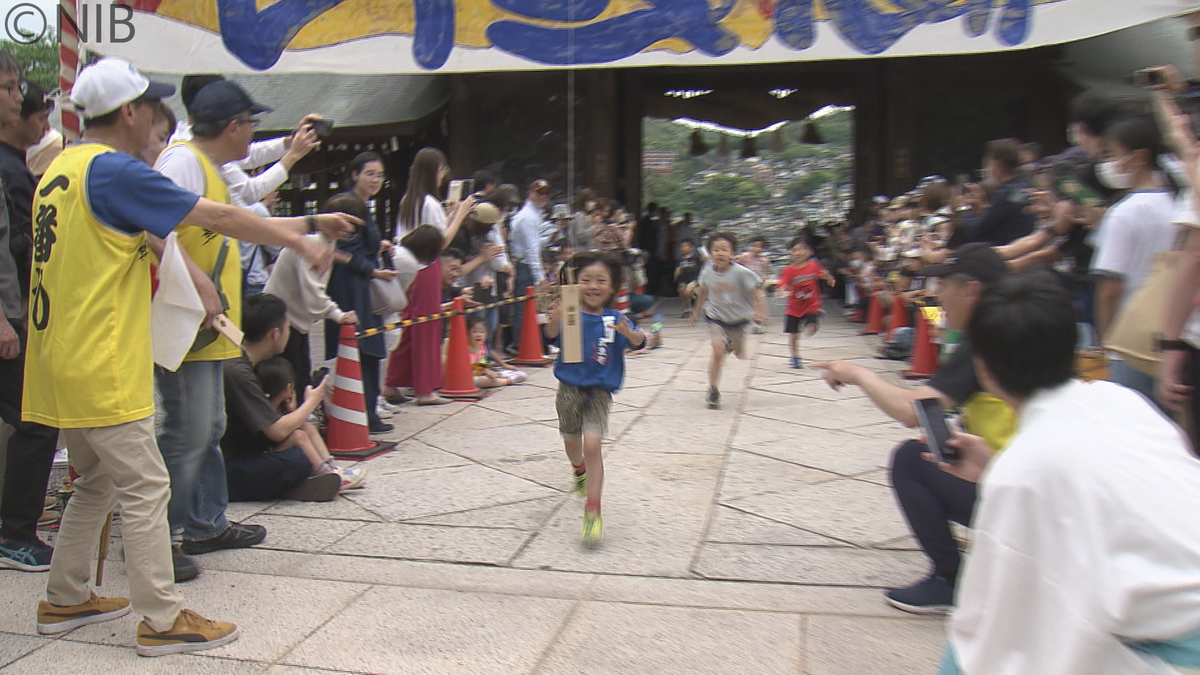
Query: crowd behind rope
{"x": 1033, "y": 262}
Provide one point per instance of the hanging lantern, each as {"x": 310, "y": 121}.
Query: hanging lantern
{"x": 699, "y": 147}
{"x": 749, "y": 147}
{"x": 778, "y": 142}
{"x": 811, "y": 136}
{"x": 723, "y": 146}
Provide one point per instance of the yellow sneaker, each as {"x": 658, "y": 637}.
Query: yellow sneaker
{"x": 191, "y": 633}
{"x": 579, "y": 485}
{"x": 593, "y": 528}
{"x": 54, "y": 619}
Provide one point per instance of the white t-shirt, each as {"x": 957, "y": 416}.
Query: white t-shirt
{"x": 432, "y": 213}
{"x": 1085, "y": 539}
{"x": 1131, "y": 233}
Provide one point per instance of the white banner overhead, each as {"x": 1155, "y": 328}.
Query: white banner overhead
{"x": 423, "y": 36}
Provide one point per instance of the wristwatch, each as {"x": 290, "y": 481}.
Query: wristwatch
{"x": 1165, "y": 345}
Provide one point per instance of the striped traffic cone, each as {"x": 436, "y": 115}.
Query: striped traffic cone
{"x": 924, "y": 352}
{"x": 874, "y": 317}
{"x": 348, "y": 436}
{"x": 530, "y": 351}
{"x": 458, "y": 379}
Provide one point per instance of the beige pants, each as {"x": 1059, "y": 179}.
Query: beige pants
{"x": 118, "y": 464}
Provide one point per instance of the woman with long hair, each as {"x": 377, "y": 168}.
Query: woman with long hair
{"x": 349, "y": 284}
{"x": 417, "y": 361}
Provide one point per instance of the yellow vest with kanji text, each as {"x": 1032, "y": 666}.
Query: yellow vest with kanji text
{"x": 203, "y": 246}
{"x": 88, "y": 362}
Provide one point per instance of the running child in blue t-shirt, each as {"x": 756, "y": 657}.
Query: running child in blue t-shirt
{"x": 585, "y": 389}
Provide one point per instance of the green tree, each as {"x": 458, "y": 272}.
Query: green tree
{"x": 39, "y": 61}
{"x": 802, "y": 187}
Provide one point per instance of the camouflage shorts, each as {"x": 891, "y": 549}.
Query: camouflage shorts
{"x": 582, "y": 410}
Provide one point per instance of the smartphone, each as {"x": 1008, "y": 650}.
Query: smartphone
{"x": 937, "y": 432}
{"x": 318, "y": 375}
{"x": 455, "y": 193}
{"x": 322, "y": 127}
{"x": 1072, "y": 188}
{"x": 1150, "y": 77}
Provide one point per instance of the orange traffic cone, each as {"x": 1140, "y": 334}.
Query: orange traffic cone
{"x": 899, "y": 316}
{"x": 347, "y": 436}
{"x": 530, "y": 352}
{"x": 874, "y": 317}
{"x": 924, "y": 352}
{"x": 458, "y": 378}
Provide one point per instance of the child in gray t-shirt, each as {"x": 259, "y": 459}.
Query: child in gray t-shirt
{"x": 731, "y": 296}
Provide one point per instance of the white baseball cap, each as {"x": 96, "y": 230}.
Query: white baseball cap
{"x": 110, "y": 83}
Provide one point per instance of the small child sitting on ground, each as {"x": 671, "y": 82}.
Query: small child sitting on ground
{"x": 278, "y": 380}
{"x": 489, "y": 368}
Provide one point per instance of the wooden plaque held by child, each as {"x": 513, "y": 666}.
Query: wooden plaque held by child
{"x": 571, "y": 340}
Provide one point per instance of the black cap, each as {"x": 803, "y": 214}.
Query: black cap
{"x": 223, "y": 100}
{"x": 978, "y": 261}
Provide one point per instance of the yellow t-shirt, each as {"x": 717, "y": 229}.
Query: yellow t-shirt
{"x": 88, "y": 362}
{"x": 203, "y": 246}
{"x": 986, "y": 416}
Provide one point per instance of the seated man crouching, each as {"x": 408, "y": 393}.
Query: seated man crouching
{"x": 270, "y": 448}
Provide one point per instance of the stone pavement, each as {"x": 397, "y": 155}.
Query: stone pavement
{"x": 753, "y": 539}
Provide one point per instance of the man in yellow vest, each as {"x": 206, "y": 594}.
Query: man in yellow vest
{"x": 89, "y": 366}
{"x": 223, "y": 118}
{"x": 930, "y": 498}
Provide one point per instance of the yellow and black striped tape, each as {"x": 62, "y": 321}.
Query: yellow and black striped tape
{"x": 443, "y": 315}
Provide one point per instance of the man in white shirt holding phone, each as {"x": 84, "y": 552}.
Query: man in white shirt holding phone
{"x": 1086, "y": 546}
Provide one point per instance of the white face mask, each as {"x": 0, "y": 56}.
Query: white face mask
{"x": 1112, "y": 176}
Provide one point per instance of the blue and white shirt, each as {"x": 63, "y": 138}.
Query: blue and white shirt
{"x": 603, "y": 354}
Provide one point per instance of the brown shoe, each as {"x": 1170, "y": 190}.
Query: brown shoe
{"x": 191, "y": 633}
{"x": 53, "y": 619}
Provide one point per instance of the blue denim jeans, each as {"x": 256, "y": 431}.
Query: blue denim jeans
{"x": 194, "y": 401}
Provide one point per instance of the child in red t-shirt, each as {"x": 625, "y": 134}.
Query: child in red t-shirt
{"x": 798, "y": 283}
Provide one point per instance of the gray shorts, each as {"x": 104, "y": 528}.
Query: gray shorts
{"x": 732, "y": 335}
{"x": 582, "y": 410}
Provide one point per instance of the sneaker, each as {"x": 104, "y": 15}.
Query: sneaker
{"x": 353, "y": 477}
{"x": 382, "y": 410}
{"x": 517, "y": 377}
{"x": 191, "y": 633}
{"x": 185, "y": 568}
{"x": 795, "y": 362}
{"x": 236, "y": 535}
{"x": 593, "y": 528}
{"x": 320, "y": 488}
{"x": 934, "y": 595}
{"x": 579, "y": 485}
{"x": 54, "y": 619}
{"x": 714, "y": 398}
{"x": 27, "y": 556}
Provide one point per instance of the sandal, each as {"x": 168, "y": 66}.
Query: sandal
{"x": 436, "y": 400}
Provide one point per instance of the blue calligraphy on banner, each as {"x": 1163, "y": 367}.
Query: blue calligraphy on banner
{"x": 259, "y": 38}
{"x": 620, "y": 37}
{"x": 873, "y": 31}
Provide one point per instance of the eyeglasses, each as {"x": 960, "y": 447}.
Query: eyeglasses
{"x": 252, "y": 121}
{"x": 17, "y": 86}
